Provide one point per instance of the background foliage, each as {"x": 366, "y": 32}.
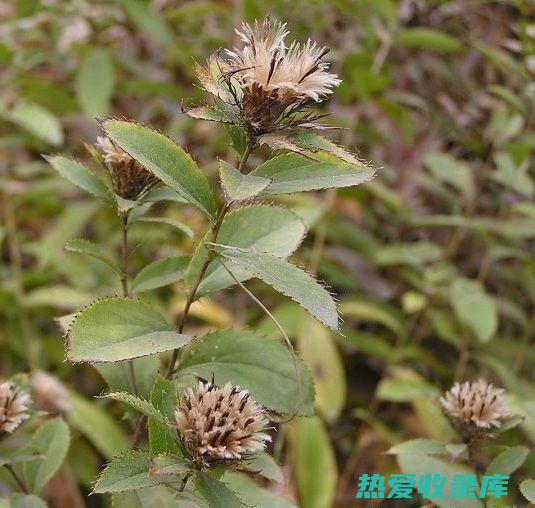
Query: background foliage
{"x": 433, "y": 262}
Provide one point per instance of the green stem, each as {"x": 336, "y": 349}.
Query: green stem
{"x": 124, "y": 283}
{"x": 215, "y": 232}
{"x": 17, "y": 479}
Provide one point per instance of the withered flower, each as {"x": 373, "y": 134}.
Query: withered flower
{"x": 475, "y": 406}
{"x": 13, "y": 407}
{"x": 265, "y": 84}
{"x": 129, "y": 178}
{"x": 49, "y": 394}
{"x": 220, "y": 424}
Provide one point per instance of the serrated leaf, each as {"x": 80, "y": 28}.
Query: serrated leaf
{"x": 38, "y": 121}
{"x": 97, "y": 425}
{"x": 130, "y": 471}
{"x": 296, "y": 173}
{"x": 475, "y": 308}
{"x": 95, "y": 82}
{"x": 416, "y": 446}
{"x": 160, "y": 273}
{"x": 285, "y": 278}
{"x": 170, "y": 465}
{"x": 151, "y": 497}
{"x": 252, "y": 494}
{"x": 239, "y": 186}
{"x": 141, "y": 405}
{"x": 508, "y": 461}
{"x": 262, "y": 365}
{"x": 179, "y": 226}
{"x": 166, "y": 160}
{"x": 266, "y": 228}
{"x": 120, "y": 329}
{"x": 90, "y": 249}
{"x": 421, "y": 464}
{"x": 82, "y": 177}
{"x": 215, "y": 492}
{"x": 52, "y": 441}
{"x": 163, "y": 438}
{"x": 211, "y": 113}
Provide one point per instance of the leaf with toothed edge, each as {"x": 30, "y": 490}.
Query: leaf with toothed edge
{"x": 271, "y": 229}
{"x": 285, "y": 278}
{"x": 120, "y": 329}
{"x": 166, "y": 160}
{"x": 260, "y": 364}
{"x": 131, "y": 471}
{"x": 295, "y": 173}
{"x": 90, "y": 249}
{"x": 160, "y": 273}
{"x": 81, "y": 176}
{"x": 239, "y": 186}
{"x": 141, "y": 405}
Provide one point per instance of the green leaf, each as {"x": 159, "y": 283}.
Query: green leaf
{"x": 415, "y": 446}
{"x": 52, "y": 441}
{"x": 238, "y": 186}
{"x": 296, "y": 173}
{"x": 265, "y": 228}
{"x": 120, "y": 329}
{"x": 452, "y": 171}
{"x": 262, "y": 365}
{"x": 90, "y": 249}
{"x": 412, "y": 254}
{"x": 285, "y": 278}
{"x": 428, "y": 38}
{"x": 508, "y": 461}
{"x": 148, "y": 21}
{"x": 163, "y": 438}
{"x": 97, "y": 425}
{"x": 82, "y": 177}
{"x": 374, "y": 312}
{"x": 475, "y": 308}
{"x": 314, "y": 463}
{"x": 215, "y": 493}
{"x": 264, "y": 464}
{"x": 140, "y": 405}
{"x": 152, "y": 497}
{"x": 166, "y": 160}
{"x": 321, "y": 356}
{"x": 24, "y": 501}
{"x": 211, "y": 113}
{"x": 179, "y": 226}
{"x": 95, "y": 82}
{"x": 130, "y": 471}
{"x": 38, "y": 121}
{"x": 160, "y": 273}
{"x": 251, "y": 494}
{"x": 404, "y": 390}
{"x": 527, "y": 487}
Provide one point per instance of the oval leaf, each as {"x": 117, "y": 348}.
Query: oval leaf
{"x": 160, "y": 273}
{"x": 238, "y": 186}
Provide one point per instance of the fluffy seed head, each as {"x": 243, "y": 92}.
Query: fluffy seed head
{"x": 13, "y": 407}
{"x": 476, "y": 404}
{"x": 49, "y": 393}
{"x": 268, "y": 81}
{"x": 220, "y": 424}
{"x": 129, "y": 178}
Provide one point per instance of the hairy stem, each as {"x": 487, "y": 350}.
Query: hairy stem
{"x": 124, "y": 284}
{"x": 191, "y": 297}
{"x": 17, "y": 479}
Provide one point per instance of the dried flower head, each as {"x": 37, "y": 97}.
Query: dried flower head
{"x": 129, "y": 178}
{"x": 476, "y": 404}
{"x": 266, "y": 83}
{"x": 13, "y": 407}
{"x": 49, "y": 394}
{"x": 221, "y": 424}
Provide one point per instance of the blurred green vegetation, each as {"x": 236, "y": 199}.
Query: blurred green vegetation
{"x": 433, "y": 262}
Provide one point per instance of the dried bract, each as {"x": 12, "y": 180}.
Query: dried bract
{"x": 14, "y": 405}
